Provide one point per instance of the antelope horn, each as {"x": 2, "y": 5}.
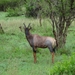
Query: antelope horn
{"x": 29, "y": 25}
{"x": 24, "y": 25}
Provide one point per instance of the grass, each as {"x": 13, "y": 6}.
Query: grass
{"x": 16, "y": 56}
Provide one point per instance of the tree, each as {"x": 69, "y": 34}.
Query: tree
{"x": 62, "y": 13}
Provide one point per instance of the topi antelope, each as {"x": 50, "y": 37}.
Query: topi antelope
{"x": 37, "y": 41}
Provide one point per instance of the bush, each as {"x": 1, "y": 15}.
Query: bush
{"x": 13, "y": 12}
{"x": 64, "y": 50}
{"x": 32, "y": 8}
{"x": 66, "y": 67}
{"x": 4, "y": 4}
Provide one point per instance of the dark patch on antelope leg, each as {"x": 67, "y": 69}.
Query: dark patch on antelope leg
{"x": 34, "y": 54}
{"x": 54, "y": 50}
{"x": 53, "y": 57}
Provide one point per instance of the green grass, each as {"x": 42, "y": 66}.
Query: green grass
{"x": 16, "y": 56}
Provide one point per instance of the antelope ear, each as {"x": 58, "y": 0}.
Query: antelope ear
{"x": 20, "y": 28}
{"x": 24, "y": 25}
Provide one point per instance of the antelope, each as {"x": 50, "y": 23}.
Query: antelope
{"x": 37, "y": 41}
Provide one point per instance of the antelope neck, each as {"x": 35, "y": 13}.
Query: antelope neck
{"x": 28, "y": 35}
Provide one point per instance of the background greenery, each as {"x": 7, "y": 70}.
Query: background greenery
{"x": 16, "y": 56}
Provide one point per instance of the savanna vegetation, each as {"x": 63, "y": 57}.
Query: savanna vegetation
{"x": 16, "y": 55}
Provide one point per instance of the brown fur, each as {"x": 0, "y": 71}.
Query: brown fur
{"x": 39, "y": 41}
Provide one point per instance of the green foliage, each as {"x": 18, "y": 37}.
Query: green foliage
{"x": 13, "y": 12}
{"x": 46, "y": 7}
{"x": 36, "y": 8}
{"x": 5, "y": 4}
{"x": 64, "y": 50}
{"x": 32, "y": 8}
{"x": 65, "y": 67}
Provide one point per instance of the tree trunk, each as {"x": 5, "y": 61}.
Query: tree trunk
{"x": 40, "y": 19}
{"x": 60, "y": 32}
{"x": 61, "y": 40}
{"x": 1, "y": 30}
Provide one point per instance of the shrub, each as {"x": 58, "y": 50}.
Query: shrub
{"x": 66, "y": 67}
{"x": 13, "y": 12}
{"x": 64, "y": 50}
{"x": 32, "y": 8}
{"x": 4, "y": 4}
